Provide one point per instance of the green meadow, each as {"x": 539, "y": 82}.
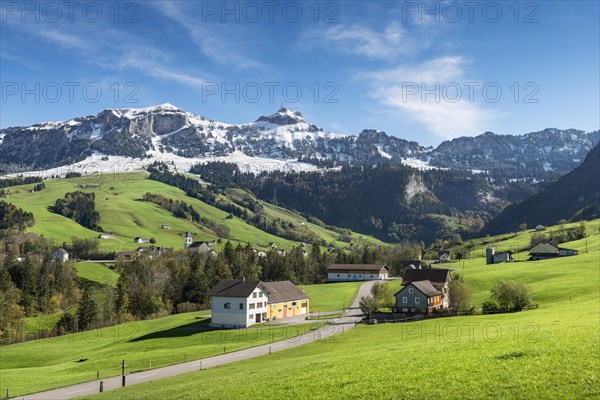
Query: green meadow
{"x": 331, "y": 296}
{"x": 551, "y": 352}
{"x": 50, "y": 363}
{"x": 96, "y": 272}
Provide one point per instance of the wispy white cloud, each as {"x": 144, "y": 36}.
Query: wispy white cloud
{"x": 223, "y": 43}
{"x": 427, "y": 93}
{"x": 114, "y": 50}
{"x": 363, "y": 40}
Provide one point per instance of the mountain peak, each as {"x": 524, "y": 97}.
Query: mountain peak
{"x": 283, "y": 116}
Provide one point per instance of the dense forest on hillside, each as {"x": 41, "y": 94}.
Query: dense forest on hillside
{"x": 574, "y": 196}
{"x": 391, "y": 202}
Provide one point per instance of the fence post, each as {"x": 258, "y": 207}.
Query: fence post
{"x": 101, "y": 386}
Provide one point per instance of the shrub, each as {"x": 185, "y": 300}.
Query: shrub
{"x": 512, "y": 296}
{"x": 368, "y": 305}
{"x": 489, "y": 307}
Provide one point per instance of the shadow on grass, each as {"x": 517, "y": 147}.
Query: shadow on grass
{"x": 178, "y": 331}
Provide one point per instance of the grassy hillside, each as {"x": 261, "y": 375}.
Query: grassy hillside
{"x": 551, "y": 352}
{"x": 118, "y": 199}
{"x": 49, "y": 363}
{"x": 95, "y": 272}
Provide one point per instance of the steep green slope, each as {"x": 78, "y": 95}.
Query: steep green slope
{"x": 118, "y": 199}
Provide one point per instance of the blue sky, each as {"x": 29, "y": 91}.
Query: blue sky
{"x": 421, "y": 71}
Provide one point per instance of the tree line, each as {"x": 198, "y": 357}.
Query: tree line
{"x": 13, "y": 218}
{"x": 181, "y": 209}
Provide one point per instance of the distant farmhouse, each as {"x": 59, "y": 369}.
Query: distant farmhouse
{"x": 438, "y": 278}
{"x": 202, "y": 247}
{"x": 141, "y": 240}
{"x": 60, "y": 255}
{"x": 491, "y": 257}
{"x": 548, "y": 249}
{"x": 540, "y": 228}
{"x": 165, "y": 227}
{"x": 418, "y": 296}
{"x": 356, "y": 272}
{"x": 444, "y": 256}
{"x": 242, "y": 303}
{"x": 105, "y": 235}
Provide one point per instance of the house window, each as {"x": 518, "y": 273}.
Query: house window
{"x": 293, "y": 303}
{"x": 372, "y": 276}
{"x": 417, "y": 300}
{"x": 254, "y": 295}
{"x": 227, "y": 306}
{"x": 405, "y": 309}
{"x": 411, "y": 290}
{"x": 252, "y": 305}
{"x": 338, "y": 275}
{"x": 259, "y": 294}
{"x": 404, "y": 299}
{"x": 258, "y": 305}
{"x": 251, "y": 317}
{"x": 241, "y": 306}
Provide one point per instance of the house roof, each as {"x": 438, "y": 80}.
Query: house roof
{"x": 443, "y": 252}
{"x": 544, "y": 248}
{"x": 424, "y": 287}
{"x": 62, "y": 251}
{"x": 283, "y": 291}
{"x": 434, "y": 275}
{"x": 234, "y": 288}
{"x": 356, "y": 267}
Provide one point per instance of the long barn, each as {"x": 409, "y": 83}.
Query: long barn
{"x": 356, "y": 272}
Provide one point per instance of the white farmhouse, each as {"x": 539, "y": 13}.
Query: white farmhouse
{"x": 60, "y": 255}
{"x": 238, "y": 303}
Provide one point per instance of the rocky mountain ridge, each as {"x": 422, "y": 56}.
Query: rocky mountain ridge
{"x": 166, "y": 131}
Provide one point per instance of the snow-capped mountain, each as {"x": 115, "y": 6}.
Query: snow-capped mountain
{"x": 283, "y": 140}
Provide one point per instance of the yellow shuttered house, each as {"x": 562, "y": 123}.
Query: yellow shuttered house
{"x": 285, "y": 300}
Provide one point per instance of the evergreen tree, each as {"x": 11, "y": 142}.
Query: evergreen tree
{"x": 87, "y": 313}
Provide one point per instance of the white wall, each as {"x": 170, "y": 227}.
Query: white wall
{"x": 234, "y": 317}
{"x": 355, "y": 276}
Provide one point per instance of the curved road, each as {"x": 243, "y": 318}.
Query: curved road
{"x": 348, "y": 321}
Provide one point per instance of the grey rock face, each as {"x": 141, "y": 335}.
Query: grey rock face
{"x": 284, "y": 135}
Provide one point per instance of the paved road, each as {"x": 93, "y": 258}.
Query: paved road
{"x": 348, "y": 321}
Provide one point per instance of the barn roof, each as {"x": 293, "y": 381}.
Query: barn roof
{"x": 283, "y": 291}
{"x": 356, "y": 267}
